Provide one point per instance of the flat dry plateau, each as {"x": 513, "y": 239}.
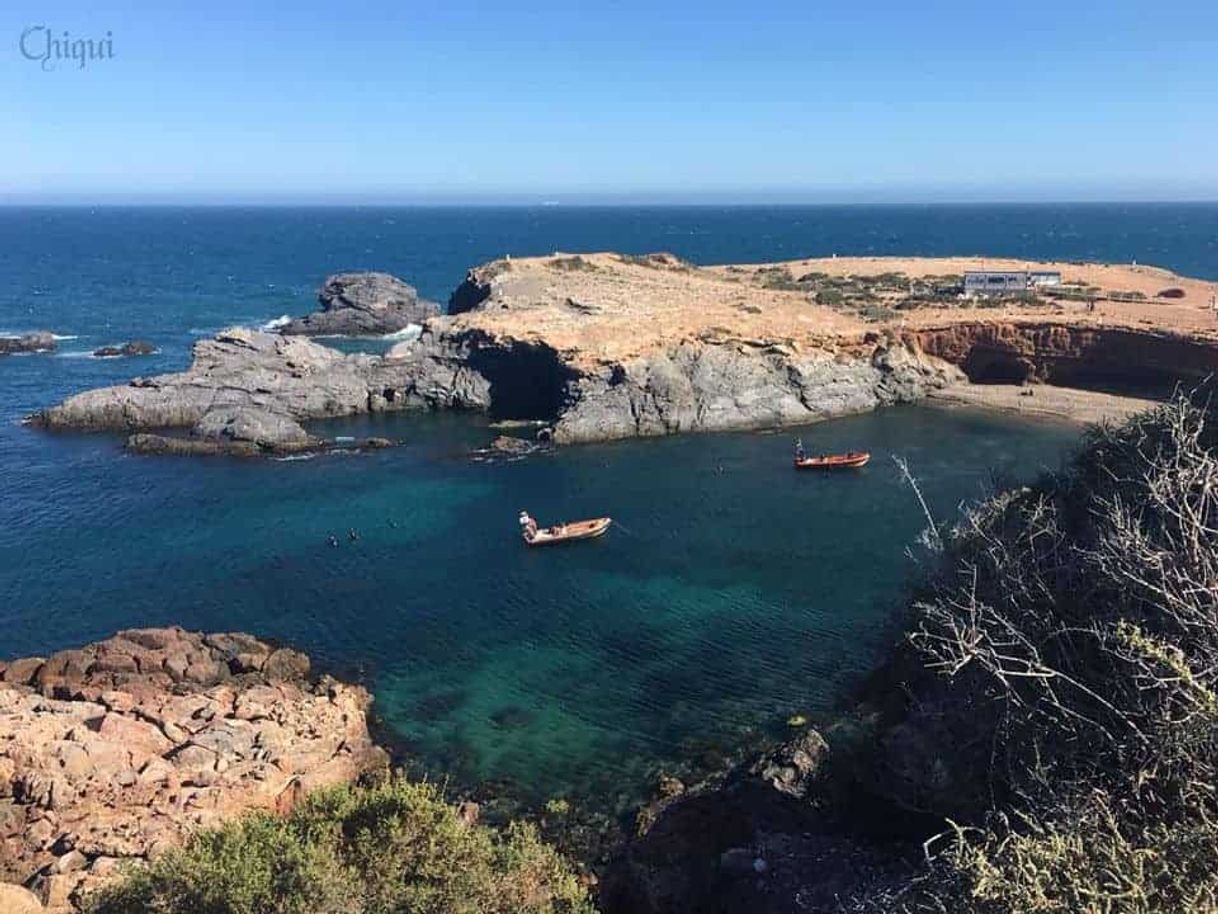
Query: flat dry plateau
{"x": 604, "y": 308}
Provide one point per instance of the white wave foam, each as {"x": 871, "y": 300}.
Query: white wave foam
{"x": 409, "y": 332}
{"x": 292, "y": 458}
{"x": 275, "y": 323}
{"x": 17, "y": 334}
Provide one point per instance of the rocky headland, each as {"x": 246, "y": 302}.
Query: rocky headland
{"x": 363, "y": 304}
{"x": 604, "y": 346}
{"x": 246, "y": 393}
{"x": 116, "y": 751}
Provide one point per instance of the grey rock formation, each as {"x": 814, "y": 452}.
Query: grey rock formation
{"x": 477, "y": 288}
{"x": 248, "y": 370}
{"x": 41, "y": 341}
{"x": 363, "y": 304}
{"x": 258, "y": 426}
{"x": 232, "y": 431}
{"x": 247, "y": 391}
{"x": 239, "y": 368}
{"x": 130, "y": 348}
{"x": 707, "y": 387}
{"x": 793, "y": 767}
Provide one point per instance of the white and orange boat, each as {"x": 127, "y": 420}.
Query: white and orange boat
{"x": 567, "y": 533}
{"x": 850, "y": 460}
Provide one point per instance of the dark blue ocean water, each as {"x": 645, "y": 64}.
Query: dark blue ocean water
{"x": 732, "y": 593}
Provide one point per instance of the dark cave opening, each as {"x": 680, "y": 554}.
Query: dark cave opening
{"x": 988, "y": 366}
{"x": 527, "y": 380}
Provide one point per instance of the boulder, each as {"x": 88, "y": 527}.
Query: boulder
{"x": 42, "y": 341}
{"x": 506, "y": 444}
{"x": 363, "y": 304}
{"x": 116, "y": 751}
{"x": 180, "y": 446}
{"x": 130, "y": 348}
{"x": 16, "y": 900}
{"x": 21, "y": 672}
{"x": 477, "y": 287}
{"x": 793, "y": 767}
{"x": 264, "y": 428}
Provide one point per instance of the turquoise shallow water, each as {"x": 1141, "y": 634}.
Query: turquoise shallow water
{"x": 732, "y": 592}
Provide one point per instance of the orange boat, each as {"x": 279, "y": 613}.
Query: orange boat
{"x": 833, "y": 461}
{"x": 568, "y": 533}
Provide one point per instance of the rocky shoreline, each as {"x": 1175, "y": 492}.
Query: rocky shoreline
{"x": 113, "y": 752}
{"x": 605, "y": 346}
{"x": 246, "y": 393}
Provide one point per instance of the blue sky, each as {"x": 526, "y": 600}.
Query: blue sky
{"x": 808, "y": 101}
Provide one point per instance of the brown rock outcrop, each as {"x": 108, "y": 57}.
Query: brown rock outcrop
{"x": 118, "y": 750}
{"x": 1070, "y": 356}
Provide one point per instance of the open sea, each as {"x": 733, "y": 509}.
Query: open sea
{"x": 731, "y": 594}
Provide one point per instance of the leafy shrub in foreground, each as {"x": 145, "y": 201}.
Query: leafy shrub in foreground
{"x": 389, "y": 849}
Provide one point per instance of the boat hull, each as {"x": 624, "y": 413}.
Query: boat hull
{"x": 570, "y": 533}
{"x": 833, "y": 462}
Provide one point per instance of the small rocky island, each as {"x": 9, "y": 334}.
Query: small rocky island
{"x": 363, "y": 304}
{"x": 115, "y": 751}
{"x": 42, "y": 341}
{"x": 604, "y": 346}
{"x": 125, "y": 350}
{"x": 245, "y": 394}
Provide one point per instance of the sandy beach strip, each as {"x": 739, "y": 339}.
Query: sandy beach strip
{"x": 1042, "y": 401}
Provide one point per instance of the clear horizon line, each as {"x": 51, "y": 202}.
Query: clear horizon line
{"x": 540, "y": 203}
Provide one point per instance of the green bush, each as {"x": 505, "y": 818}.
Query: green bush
{"x": 396, "y": 848}
{"x": 572, "y": 264}
{"x": 876, "y": 313}
{"x": 779, "y": 279}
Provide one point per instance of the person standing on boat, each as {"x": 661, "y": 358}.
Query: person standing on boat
{"x": 528, "y": 525}
{"x": 800, "y": 453}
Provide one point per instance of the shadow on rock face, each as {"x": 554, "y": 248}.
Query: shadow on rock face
{"x": 760, "y": 842}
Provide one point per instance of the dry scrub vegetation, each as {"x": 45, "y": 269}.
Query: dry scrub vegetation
{"x": 1062, "y": 710}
